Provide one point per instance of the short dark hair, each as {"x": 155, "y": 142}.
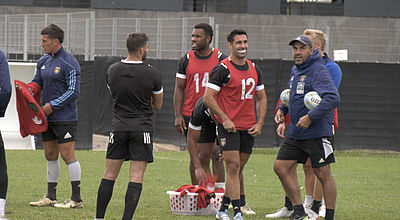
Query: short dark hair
{"x": 54, "y": 32}
{"x": 235, "y": 32}
{"x": 207, "y": 28}
{"x": 135, "y": 41}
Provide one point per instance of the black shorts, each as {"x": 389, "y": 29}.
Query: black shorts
{"x": 63, "y": 132}
{"x": 131, "y": 145}
{"x": 319, "y": 150}
{"x": 207, "y": 133}
{"x": 241, "y": 140}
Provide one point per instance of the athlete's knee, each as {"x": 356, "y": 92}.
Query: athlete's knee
{"x": 282, "y": 168}
{"x": 278, "y": 169}
{"x": 68, "y": 157}
{"x": 204, "y": 158}
{"x": 233, "y": 168}
{"x": 215, "y": 153}
{"x": 324, "y": 175}
{"x": 51, "y": 155}
{"x": 111, "y": 174}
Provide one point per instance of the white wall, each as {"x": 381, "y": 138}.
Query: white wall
{"x": 9, "y": 124}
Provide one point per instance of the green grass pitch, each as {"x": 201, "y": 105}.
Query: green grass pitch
{"x": 367, "y": 185}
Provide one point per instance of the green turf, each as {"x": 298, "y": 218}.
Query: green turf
{"x": 368, "y": 186}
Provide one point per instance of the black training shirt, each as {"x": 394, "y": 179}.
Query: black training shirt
{"x": 132, "y": 84}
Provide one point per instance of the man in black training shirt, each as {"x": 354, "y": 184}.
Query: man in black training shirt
{"x": 200, "y": 123}
{"x": 136, "y": 89}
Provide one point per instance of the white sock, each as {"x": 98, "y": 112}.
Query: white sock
{"x": 53, "y": 170}
{"x": 220, "y": 185}
{"x": 323, "y": 201}
{"x": 2, "y": 206}
{"x": 308, "y": 201}
{"x": 74, "y": 169}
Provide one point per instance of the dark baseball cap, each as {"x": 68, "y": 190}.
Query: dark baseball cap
{"x": 302, "y": 39}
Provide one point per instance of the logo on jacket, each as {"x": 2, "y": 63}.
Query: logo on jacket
{"x": 57, "y": 70}
{"x": 303, "y": 78}
{"x": 37, "y": 120}
{"x": 43, "y": 67}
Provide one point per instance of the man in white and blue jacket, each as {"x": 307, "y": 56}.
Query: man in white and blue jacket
{"x": 310, "y": 131}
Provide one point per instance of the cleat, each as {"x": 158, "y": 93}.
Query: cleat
{"x": 296, "y": 217}
{"x": 238, "y": 216}
{"x": 43, "y": 202}
{"x": 223, "y": 215}
{"x": 69, "y": 203}
{"x": 246, "y": 210}
{"x": 312, "y": 215}
{"x": 307, "y": 206}
{"x": 322, "y": 211}
{"x": 281, "y": 213}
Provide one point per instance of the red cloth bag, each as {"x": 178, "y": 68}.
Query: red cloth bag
{"x": 32, "y": 119}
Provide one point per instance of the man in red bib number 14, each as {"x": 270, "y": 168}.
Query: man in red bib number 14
{"x": 192, "y": 75}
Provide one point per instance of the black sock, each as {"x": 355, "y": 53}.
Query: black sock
{"x": 330, "y": 214}
{"x": 51, "y": 191}
{"x": 132, "y": 197}
{"x": 3, "y": 171}
{"x": 315, "y": 206}
{"x": 288, "y": 204}
{"x": 242, "y": 200}
{"x": 225, "y": 203}
{"x": 103, "y": 196}
{"x": 76, "y": 191}
{"x": 299, "y": 210}
{"x": 236, "y": 206}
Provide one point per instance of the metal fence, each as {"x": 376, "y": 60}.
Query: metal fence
{"x": 169, "y": 38}
{"x": 363, "y": 44}
{"x": 87, "y": 37}
{"x": 20, "y": 34}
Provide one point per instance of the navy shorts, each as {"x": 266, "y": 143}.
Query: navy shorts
{"x": 320, "y": 151}
{"x": 131, "y": 145}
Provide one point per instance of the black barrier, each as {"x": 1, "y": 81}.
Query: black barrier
{"x": 103, "y": 102}
{"x": 369, "y": 112}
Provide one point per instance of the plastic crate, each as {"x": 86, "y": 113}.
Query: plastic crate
{"x": 187, "y": 205}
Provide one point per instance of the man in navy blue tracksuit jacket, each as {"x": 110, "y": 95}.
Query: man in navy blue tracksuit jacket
{"x": 5, "y": 94}
{"x": 310, "y": 131}
{"x": 58, "y": 75}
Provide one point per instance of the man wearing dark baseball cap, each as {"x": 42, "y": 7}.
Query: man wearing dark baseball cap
{"x": 302, "y": 39}
{"x": 310, "y": 131}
